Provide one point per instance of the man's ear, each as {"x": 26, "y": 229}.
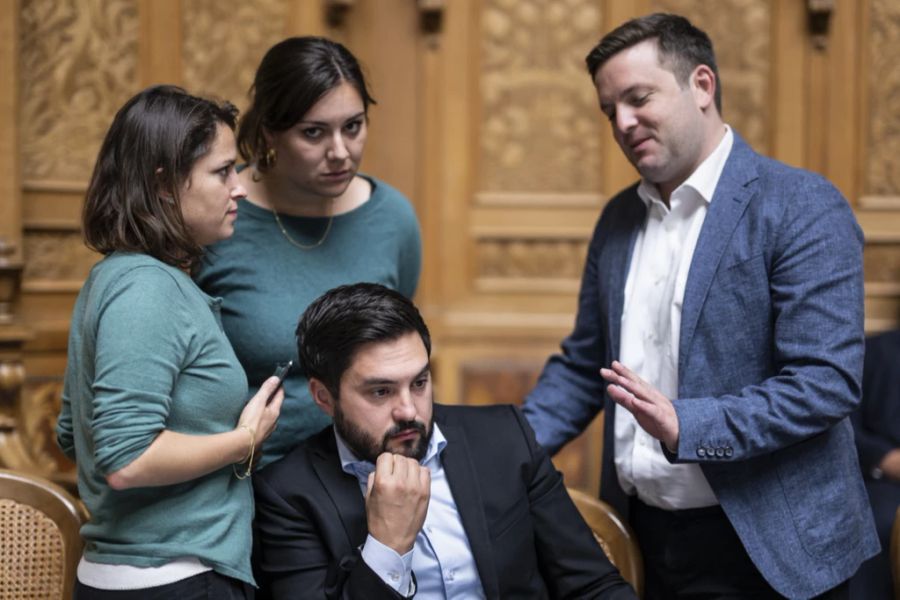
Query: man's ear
{"x": 321, "y": 396}
{"x": 703, "y": 85}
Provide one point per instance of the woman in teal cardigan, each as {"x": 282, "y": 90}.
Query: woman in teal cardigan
{"x": 155, "y": 410}
{"x": 311, "y": 220}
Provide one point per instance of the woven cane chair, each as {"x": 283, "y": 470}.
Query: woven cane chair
{"x": 614, "y": 536}
{"x": 39, "y": 541}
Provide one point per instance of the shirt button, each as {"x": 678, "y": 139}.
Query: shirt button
{"x": 451, "y": 574}
{"x": 394, "y": 575}
{"x": 428, "y": 529}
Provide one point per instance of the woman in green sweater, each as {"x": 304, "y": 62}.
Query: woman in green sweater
{"x": 310, "y": 221}
{"x": 155, "y": 410}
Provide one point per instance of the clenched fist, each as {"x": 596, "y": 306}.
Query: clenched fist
{"x": 397, "y": 497}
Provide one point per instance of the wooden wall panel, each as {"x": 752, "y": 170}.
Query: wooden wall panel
{"x": 223, "y": 43}
{"x": 79, "y": 63}
{"x": 878, "y": 159}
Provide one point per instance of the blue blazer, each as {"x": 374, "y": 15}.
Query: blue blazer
{"x": 770, "y": 360}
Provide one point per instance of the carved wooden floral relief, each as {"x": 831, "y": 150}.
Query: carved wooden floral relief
{"x": 539, "y": 125}
{"x": 530, "y": 258}
{"x": 224, "y": 42}
{"x": 59, "y": 256}
{"x": 78, "y": 66}
{"x": 882, "y": 154}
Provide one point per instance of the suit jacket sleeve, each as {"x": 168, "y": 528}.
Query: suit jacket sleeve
{"x": 570, "y": 392}
{"x": 572, "y": 563}
{"x": 802, "y": 301}
{"x": 296, "y": 557}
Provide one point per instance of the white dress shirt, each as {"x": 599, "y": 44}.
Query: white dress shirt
{"x": 441, "y": 557}
{"x": 651, "y": 326}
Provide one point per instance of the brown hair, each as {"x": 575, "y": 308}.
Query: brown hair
{"x": 133, "y": 201}
{"x": 682, "y": 46}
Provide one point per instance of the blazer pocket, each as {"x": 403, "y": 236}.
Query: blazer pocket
{"x": 817, "y": 478}
{"x": 737, "y": 313}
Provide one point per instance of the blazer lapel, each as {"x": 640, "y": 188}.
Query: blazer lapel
{"x": 342, "y": 488}
{"x": 732, "y": 194}
{"x": 457, "y": 462}
{"x": 619, "y": 246}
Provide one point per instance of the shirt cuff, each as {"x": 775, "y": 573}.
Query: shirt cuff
{"x": 393, "y": 569}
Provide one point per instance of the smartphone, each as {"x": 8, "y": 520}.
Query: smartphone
{"x": 281, "y": 371}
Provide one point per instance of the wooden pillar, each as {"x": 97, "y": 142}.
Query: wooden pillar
{"x": 13, "y": 453}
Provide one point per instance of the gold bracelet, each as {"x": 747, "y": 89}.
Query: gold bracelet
{"x": 249, "y": 459}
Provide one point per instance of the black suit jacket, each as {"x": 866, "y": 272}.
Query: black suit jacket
{"x": 526, "y": 535}
{"x": 877, "y": 421}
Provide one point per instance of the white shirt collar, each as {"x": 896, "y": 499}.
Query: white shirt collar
{"x": 703, "y": 180}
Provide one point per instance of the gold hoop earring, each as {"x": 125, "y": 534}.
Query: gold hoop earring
{"x": 269, "y": 158}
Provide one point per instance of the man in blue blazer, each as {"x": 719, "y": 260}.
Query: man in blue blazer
{"x": 722, "y": 307}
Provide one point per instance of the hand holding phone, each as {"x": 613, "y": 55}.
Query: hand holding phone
{"x": 281, "y": 371}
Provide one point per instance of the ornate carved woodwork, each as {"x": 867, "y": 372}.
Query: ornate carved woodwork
{"x": 224, "y": 43}
{"x": 78, "y": 66}
{"x": 882, "y": 152}
{"x": 539, "y": 128}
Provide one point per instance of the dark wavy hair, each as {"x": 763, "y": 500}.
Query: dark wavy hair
{"x": 343, "y": 319}
{"x": 133, "y": 201}
{"x": 682, "y": 46}
{"x": 293, "y": 75}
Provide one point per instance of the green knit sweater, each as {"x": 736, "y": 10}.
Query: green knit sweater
{"x": 266, "y": 283}
{"x": 147, "y": 353}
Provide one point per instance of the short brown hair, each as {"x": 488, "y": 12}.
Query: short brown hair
{"x": 133, "y": 201}
{"x": 682, "y": 46}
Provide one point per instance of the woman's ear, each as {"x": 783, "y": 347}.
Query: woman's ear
{"x": 267, "y": 136}
{"x": 321, "y": 396}
{"x": 162, "y": 189}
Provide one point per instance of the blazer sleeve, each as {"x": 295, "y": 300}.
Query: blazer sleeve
{"x": 807, "y": 289}
{"x": 293, "y": 556}
{"x": 569, "y": 392}
{"x": 572, "y": 563}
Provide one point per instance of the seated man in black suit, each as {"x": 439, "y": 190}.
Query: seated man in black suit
{"x": 405, "y": 497}
{"x": 876, "y": 425}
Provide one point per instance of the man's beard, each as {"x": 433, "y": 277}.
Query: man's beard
{"x": 367, "y": 448}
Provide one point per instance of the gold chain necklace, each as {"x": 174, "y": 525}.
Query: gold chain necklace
{"x": 295, "y": 242}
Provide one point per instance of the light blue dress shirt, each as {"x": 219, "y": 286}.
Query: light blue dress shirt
{"x": 441, "y": 557}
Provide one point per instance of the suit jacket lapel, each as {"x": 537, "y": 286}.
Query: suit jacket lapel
{"x": 620, "y": 246}
{"x": 342, "y": 488}
{"x": 732, "y": 194}
{"x": 457, "y": 462}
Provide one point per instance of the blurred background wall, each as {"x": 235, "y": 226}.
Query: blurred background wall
{"x": 486, "y": 120}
